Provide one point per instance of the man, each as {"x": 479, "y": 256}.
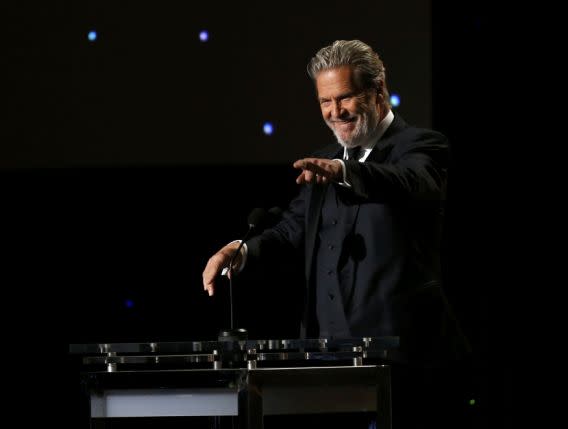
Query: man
{"x": 368, "y": 216}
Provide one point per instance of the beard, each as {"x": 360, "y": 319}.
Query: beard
{"x": 364, "y": 129}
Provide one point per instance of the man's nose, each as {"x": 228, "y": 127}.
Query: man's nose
{"x": 337, "y": 110}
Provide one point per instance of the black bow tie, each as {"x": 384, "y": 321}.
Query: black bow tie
{"x": 354, "y": 153}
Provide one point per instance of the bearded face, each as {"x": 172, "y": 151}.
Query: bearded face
{"x": 351, "y": 113}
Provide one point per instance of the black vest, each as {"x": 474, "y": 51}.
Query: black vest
{"x": 333, "y": 272}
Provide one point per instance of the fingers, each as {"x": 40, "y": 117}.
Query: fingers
{"x": 212, "y": 270}
{"x": 323, "y": 167}
{"x": 299, "y": 163}
{"x": 316, "y": 170}
{"x": 215, "y": 266}
{"x": 312, "y": 164}
{"x": 308, "y": 177}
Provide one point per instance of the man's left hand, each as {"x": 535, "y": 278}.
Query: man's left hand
{"x": 318, "y": 170}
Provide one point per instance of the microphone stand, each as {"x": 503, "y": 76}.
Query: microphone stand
{"x": 230, "y": 271}
{"x": 256, "y": 218}
{"x": 233, "y": 334}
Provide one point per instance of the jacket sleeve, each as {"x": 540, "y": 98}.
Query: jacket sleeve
{"x": 415, "y": 170}
{"x": 285, "y": 237}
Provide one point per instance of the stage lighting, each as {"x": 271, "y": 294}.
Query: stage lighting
{"x": 268, "y": 128}
{"x": 395, "y": 100}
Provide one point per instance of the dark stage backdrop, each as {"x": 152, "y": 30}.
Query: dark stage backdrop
{"x": 149, "y": 91}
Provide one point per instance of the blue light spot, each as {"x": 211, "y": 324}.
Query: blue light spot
{"x": 268, "y": 128}
{"x": 395, "y": 100}
{"x": 128, "y": 303}
{"x": 204, "y": 36}
{"x": 92, "y": 36}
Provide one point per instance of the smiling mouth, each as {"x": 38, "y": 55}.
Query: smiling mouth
{"x": 344, "y": 121}
{"x": 344, "y": 124}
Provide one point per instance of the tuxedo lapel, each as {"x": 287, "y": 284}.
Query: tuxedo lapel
{"x": 380, "y": 151}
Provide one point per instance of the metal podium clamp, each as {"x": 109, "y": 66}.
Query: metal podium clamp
{"x": 251, "y": 359}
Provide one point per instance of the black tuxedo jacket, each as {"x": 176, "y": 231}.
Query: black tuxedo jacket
{"x": 391, "y": 228}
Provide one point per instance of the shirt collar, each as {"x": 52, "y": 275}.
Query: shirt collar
{"x": 379, "y": 131}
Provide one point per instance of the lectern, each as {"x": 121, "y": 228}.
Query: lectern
{"x": 247, "y": 379}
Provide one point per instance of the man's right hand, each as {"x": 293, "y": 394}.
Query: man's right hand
{"x": 216, "y": 264}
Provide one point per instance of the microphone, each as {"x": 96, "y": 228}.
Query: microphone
{"x": 255, "y": 219}
{"x": 274, "y": 216}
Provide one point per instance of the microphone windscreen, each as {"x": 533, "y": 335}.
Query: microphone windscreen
{"x": 256, "y": 216}
{"x": 274, "y": 216}
{"x": 275, "y": 212}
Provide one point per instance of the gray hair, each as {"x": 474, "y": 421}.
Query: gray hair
{"x": 368, "y": 67}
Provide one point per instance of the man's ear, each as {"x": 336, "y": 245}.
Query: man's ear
{"x": 380, "y": 98}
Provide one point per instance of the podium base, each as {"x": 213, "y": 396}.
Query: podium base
{"x": 233, "y": 335}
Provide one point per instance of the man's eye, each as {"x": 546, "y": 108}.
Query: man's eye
{"x": 324, "y": 102}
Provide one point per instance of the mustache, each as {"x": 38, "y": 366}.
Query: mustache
{"x": 350, "y": 119}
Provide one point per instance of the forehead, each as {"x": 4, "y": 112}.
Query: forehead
{"x": 335, "y": 81}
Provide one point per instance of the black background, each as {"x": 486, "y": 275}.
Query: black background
{"x": 149, "y": 92}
